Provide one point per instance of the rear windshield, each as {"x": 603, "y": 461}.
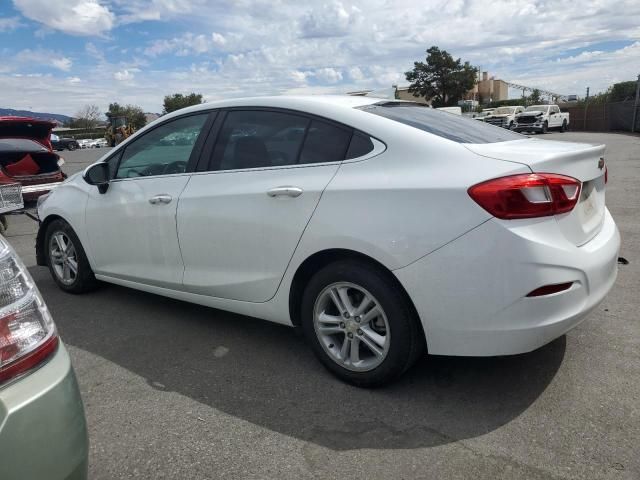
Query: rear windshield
{"x": 9, "y": 145}
{"x": 446, "y": 125}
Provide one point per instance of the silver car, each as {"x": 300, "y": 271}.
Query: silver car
{"x": 43, "y": 432}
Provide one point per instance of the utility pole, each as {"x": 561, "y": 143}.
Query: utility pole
{"x": 635, "y": 105}
{"x": 586, "y": 104}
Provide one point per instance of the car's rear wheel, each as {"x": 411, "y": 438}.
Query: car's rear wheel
{"x": 67, "y": 260}
{"x": 564, "y": 126}
{"x": 360, "y": 324}
{"x": 71, "y": 146}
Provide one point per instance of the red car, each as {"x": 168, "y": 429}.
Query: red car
{"x": 27, "y": 157}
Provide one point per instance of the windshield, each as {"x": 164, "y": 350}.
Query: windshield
{"x": 537, "y": 108}
{"x": 456, "y": 128}
{"x": 504, "y": 111}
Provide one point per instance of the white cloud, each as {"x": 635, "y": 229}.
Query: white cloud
{"x": 8, "y": 24}
{"x": 124, "y": 75}
{"x": 328, "y": 20}
{"x": 73, "y": 80}
{"x": 62, "y": 63}
{"x": 75, "y": 17}
{"x": 255, "y": 47}
{"x": 329, "y": 75}
{"x": 186, "y": 44}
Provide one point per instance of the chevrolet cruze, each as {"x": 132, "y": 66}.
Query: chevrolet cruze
{"x": 385, "y": 229}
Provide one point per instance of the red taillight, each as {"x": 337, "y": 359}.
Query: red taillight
{"x": 27, "y": 332}
{"x": 527, "y": 195}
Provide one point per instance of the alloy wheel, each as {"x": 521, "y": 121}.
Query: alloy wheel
{"x": 351, "y": 326}
{"x": 64, "y": 258}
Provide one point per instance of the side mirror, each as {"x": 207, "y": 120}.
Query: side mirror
{"x": 98, "y": 175}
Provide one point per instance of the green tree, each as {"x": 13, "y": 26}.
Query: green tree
{"x": 619, "y": 92}
{"x": 441, "y": 79}
{"x": 177, "y": 101}
{"x": 535, "y": 97}
{"x": 135, "y": 115}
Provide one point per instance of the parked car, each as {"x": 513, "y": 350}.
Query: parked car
{"x": 27, "y": 157}
{"x": 386, "y": 228}
{"x": 504, "y": 117}
{"x": 484, "y": 114}
{"x": 540, "y": 118}
{"x": 98, "y": 143}
{"x": 42, "y": 424}
{"x": 62, "y": 143}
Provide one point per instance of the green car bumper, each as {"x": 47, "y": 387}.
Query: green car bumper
{"x": 43, "y": 432}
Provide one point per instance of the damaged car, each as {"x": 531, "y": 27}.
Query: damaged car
{"x": 27, "y": 156}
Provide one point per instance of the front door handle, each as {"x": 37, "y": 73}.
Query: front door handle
{"x": 287, "y": 191}
{"x": 163, "y": 198}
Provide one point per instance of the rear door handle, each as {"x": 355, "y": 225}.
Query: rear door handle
{"x": 162, "y": 198}
{"x": 287, "y": 191}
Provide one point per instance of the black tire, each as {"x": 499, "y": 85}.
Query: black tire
{"x": 511, "y": 126}
{"x": 71, "y": 147}
{"x": 545, "y": 127}
{"x": 85, "y": 280}
{"x": 563, "y": 128}
{"x": 407, "y": 340}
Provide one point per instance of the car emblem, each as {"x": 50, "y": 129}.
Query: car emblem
{"x": 601, "y": 163}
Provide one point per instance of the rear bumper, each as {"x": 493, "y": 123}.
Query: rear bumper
{"x": 471, "y": 294}
{"x": 42, "y": 424}
{"x": 32, "y": 192}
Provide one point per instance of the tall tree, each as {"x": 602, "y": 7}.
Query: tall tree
{"x": 441, "y": 79}
{"x": 135, "y": 115}
{"x": 177, "y": 101}
{"x": 87, "y": 117}
{"x": 535, "y": 97}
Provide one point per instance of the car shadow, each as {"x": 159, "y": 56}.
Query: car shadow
{"x": 265, "y": 374}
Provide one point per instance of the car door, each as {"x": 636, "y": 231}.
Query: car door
{"x": 554, "y": 114}
{"x": 132, "y": 226}
{"x": 240, "y": 221}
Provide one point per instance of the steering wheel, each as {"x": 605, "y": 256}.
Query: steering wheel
{"x": 179, "y": 166}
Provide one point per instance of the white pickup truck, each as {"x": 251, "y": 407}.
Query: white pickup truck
{"x": 504, "y": 117}
{"x": 540, "y": 118}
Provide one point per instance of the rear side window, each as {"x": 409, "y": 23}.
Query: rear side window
{"x": 324, "y": 143}
{"x": 456, "y": 128}
{"x": 360, "y": 145}
{"x": 258, "y": 139}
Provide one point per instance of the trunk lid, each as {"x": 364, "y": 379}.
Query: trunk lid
{"x": 577, "y": 160}
{"x": 25, "y": 127}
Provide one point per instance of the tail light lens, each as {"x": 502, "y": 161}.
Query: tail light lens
{"x": 527, "y": 195}
{"x": 27, "y": 331}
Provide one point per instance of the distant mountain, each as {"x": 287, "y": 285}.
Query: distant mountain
{"x": 63, "y": 119}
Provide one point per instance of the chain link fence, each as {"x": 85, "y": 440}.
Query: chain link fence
{"x": 604, "y": 117}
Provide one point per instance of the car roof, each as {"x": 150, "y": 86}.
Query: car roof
{"x": 318, "y": 104}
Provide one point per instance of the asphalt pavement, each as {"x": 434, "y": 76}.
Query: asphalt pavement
{"x": 178, "y": 391}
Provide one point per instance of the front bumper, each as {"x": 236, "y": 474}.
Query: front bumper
{"x": 471, "y": 294}
{"x": 527, "y": 128}
{"x": 43, "y": 432}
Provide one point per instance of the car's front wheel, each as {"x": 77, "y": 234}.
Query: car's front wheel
{"x": 67, "y": 260}
{"x": 359, "y": 323}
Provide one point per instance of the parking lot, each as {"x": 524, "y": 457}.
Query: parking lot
{"x": 174, "y": 390}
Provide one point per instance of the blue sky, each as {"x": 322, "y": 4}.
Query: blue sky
{"x": 60, "y": 55}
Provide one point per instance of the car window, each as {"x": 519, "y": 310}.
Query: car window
{"x": 360, "y": 145}
{"x": 325, "y": 143}
{"x": 456, "y": 128}
{"x": 555, "y": 109}
{"x": 258, "y": 139}
{"x": 162, "y": 151}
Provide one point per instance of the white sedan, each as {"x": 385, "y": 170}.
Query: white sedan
{"x": 382, "y": 228}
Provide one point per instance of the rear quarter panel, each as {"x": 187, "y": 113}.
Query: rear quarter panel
{"x": 404, "y": 203}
